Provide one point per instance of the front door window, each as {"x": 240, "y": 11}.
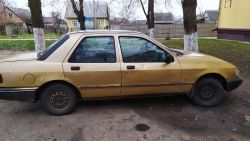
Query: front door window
{"x": 135, "y": 49}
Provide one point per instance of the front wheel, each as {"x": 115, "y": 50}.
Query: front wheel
{"x": 58, "y": 99}
{"x": 208, "y": 92}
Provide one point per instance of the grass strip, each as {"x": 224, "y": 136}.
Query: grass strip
{"x": 20, "y": 44}
{"x": 30, "y": 36}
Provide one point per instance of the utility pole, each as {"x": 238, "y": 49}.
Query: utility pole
{"x": 94, "y": 15}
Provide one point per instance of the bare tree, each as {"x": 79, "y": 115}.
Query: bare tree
{"x": 3, "y": 15}
{"x": 8, "y": 3}
{"x": 79, "y": 13}
{"x": 200, "y": 9}
{"x": 37, "y": 22}
{"x": 190, "y": 25}
{"x": 57, "y": 20}
{"x": 127, "y": 8}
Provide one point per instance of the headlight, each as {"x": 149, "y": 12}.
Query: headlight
{"x": 237, "y": 73}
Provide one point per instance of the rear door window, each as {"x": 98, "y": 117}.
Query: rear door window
{"x": 94, "y": 50}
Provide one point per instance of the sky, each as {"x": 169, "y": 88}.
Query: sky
{"x": 176, "y": 9}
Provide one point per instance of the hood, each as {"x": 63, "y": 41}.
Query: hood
{"x": 188, "y": 54}
{"x": 192, "y": 54}
{"x": 199, "y": 56}
{"x": 20, "y": 57}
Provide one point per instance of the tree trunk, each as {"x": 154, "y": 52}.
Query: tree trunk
{"x": 28, "y": 28}
{"x": 79, "y": 13}
{"x": 37, "y": 22}
{"x": 190, "y": 25}
{"x": 151, "y": 18}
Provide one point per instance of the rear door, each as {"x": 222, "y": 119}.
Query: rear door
{"x": 93, "y": 66}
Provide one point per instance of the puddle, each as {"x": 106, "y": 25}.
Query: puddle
{"x": 142, "y": 127}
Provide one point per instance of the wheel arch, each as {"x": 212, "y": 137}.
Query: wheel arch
{"x": 216, "y": 76}
{"x": 39, "y": 90}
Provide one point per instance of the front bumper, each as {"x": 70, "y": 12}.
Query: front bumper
{"x": 234, "y": 83}
{"x": 18, "y": 94}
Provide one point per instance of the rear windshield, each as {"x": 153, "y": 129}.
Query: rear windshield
{"x": 46, "y": 53}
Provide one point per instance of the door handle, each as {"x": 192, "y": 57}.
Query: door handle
{"x": 75, "y": 68}
{"x": 130, "y": 67}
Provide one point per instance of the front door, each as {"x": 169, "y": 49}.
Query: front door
{"x": 144, "y": 70}
{"x": 94, "y": 68}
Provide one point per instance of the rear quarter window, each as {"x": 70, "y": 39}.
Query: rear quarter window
{"x": 46, "y": 53}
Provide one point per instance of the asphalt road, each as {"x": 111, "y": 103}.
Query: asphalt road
{"x": 169, "y": 118}
{"x": 173, "y": 118}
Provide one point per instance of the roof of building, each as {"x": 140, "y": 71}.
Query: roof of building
{"x": 163, "y": 16}
{"x": 49, "y": 20}
{"x": 24, "y": 14}
{"x": 139, "y": 22}
{"x": 101, "y": 9}
{"x": 212, "y": 14}
{"x": 119, "y": 20}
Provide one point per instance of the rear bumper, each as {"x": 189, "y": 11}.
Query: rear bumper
{"x": 18, "y": 94}
{"x": 233, "y": 83}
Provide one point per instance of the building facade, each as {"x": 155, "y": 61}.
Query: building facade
{"x": 14, "y": 20}
{"x": 99, "y": 15}
{"x": 234, "y": 20}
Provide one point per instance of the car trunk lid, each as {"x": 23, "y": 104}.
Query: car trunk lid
{"x": 20, "y": 57}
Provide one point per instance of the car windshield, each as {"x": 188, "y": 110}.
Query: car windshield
{"x": 178, "y": 53}
{"x": 40, "y": 54}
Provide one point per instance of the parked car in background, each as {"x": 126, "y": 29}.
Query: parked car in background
{"x": 93, "y": 65}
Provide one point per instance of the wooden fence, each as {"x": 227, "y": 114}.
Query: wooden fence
{"x": 55, "y": 30}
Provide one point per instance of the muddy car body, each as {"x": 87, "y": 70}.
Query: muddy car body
{"x": 94, "y": 65}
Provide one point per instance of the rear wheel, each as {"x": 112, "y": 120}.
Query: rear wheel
{"x": 58, "y": 99}
{"x": 208, "y": 92}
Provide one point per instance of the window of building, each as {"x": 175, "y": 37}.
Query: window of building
{"x": 135, "y": 49}
{"x": 74, "y": 23}
{"x": 98, "y": 23}
{"x": 10, "y": 15}
{"x": 228, "y": 3}
{"x": 94, "y": 50}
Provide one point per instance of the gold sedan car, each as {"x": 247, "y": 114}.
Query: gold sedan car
{"x": 93, "y": 65}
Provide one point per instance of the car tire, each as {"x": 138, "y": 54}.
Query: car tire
{"x": 58, "y": 99}
{"x": 207, "y": 92}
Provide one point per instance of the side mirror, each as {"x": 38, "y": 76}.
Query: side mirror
{"x": 169, "y": 58}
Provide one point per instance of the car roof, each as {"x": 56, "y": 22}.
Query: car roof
{"x": 105, "y": 31}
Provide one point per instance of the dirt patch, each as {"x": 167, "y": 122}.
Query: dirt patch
{"x": 227, "y": 121}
